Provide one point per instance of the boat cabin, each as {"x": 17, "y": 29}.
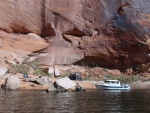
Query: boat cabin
{"x": 112, "y": 82}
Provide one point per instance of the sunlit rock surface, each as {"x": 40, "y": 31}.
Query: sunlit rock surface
{"x": 107, "y": 33}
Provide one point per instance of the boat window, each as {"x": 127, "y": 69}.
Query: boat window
{"x": 107, "y": 82}
{"x": 113, "y": 82}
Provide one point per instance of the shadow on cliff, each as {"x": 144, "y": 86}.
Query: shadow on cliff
{"x": 119, "y": 23}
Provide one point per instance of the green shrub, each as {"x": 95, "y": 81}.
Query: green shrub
{"x": 33, "y": 64}
{"x": 20, "y": 68}
{"x": 40, "y": 72}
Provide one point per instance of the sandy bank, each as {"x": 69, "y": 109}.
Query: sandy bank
{"x": 24, "y": 85}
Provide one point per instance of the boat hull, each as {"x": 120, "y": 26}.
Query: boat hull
{"x": 122, "y": 87}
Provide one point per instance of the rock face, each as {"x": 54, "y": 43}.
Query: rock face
{"x": 113, "y": 34}
{"x": 3, "y": 70}
{"x": 54, "y": 71}
{"x": 16, "y": 47}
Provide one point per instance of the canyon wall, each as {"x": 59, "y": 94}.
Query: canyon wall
{"x": 106, "y": 33}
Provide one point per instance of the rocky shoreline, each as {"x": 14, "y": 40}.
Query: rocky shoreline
{"x": 30, "y": 84}
{"x": 36, "y": 83}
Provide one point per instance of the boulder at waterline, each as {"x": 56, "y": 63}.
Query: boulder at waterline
{"x": 51, "y": 88}
{"x": 65, "y": 83}
{"x": 12, "y": 82}
{"x": 43, "y": 81}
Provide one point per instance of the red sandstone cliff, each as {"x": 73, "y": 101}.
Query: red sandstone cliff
{"x": 107, "y": 33}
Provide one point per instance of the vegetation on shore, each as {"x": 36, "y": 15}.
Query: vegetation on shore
{"x": 94, "y": 73}
{"x": 125, "y": 78}
{"x": 27, "y": 68}
{"x": 122, "y": 78}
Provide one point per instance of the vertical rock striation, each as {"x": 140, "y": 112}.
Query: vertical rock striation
{"x": 108, "y": 33}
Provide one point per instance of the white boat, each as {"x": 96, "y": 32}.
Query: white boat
{"x": 113, "y": 85}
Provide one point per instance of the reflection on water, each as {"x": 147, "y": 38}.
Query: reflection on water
{"x": 75, "y": 102}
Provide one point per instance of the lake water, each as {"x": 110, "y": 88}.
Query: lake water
{"x": 75, "y": 102}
